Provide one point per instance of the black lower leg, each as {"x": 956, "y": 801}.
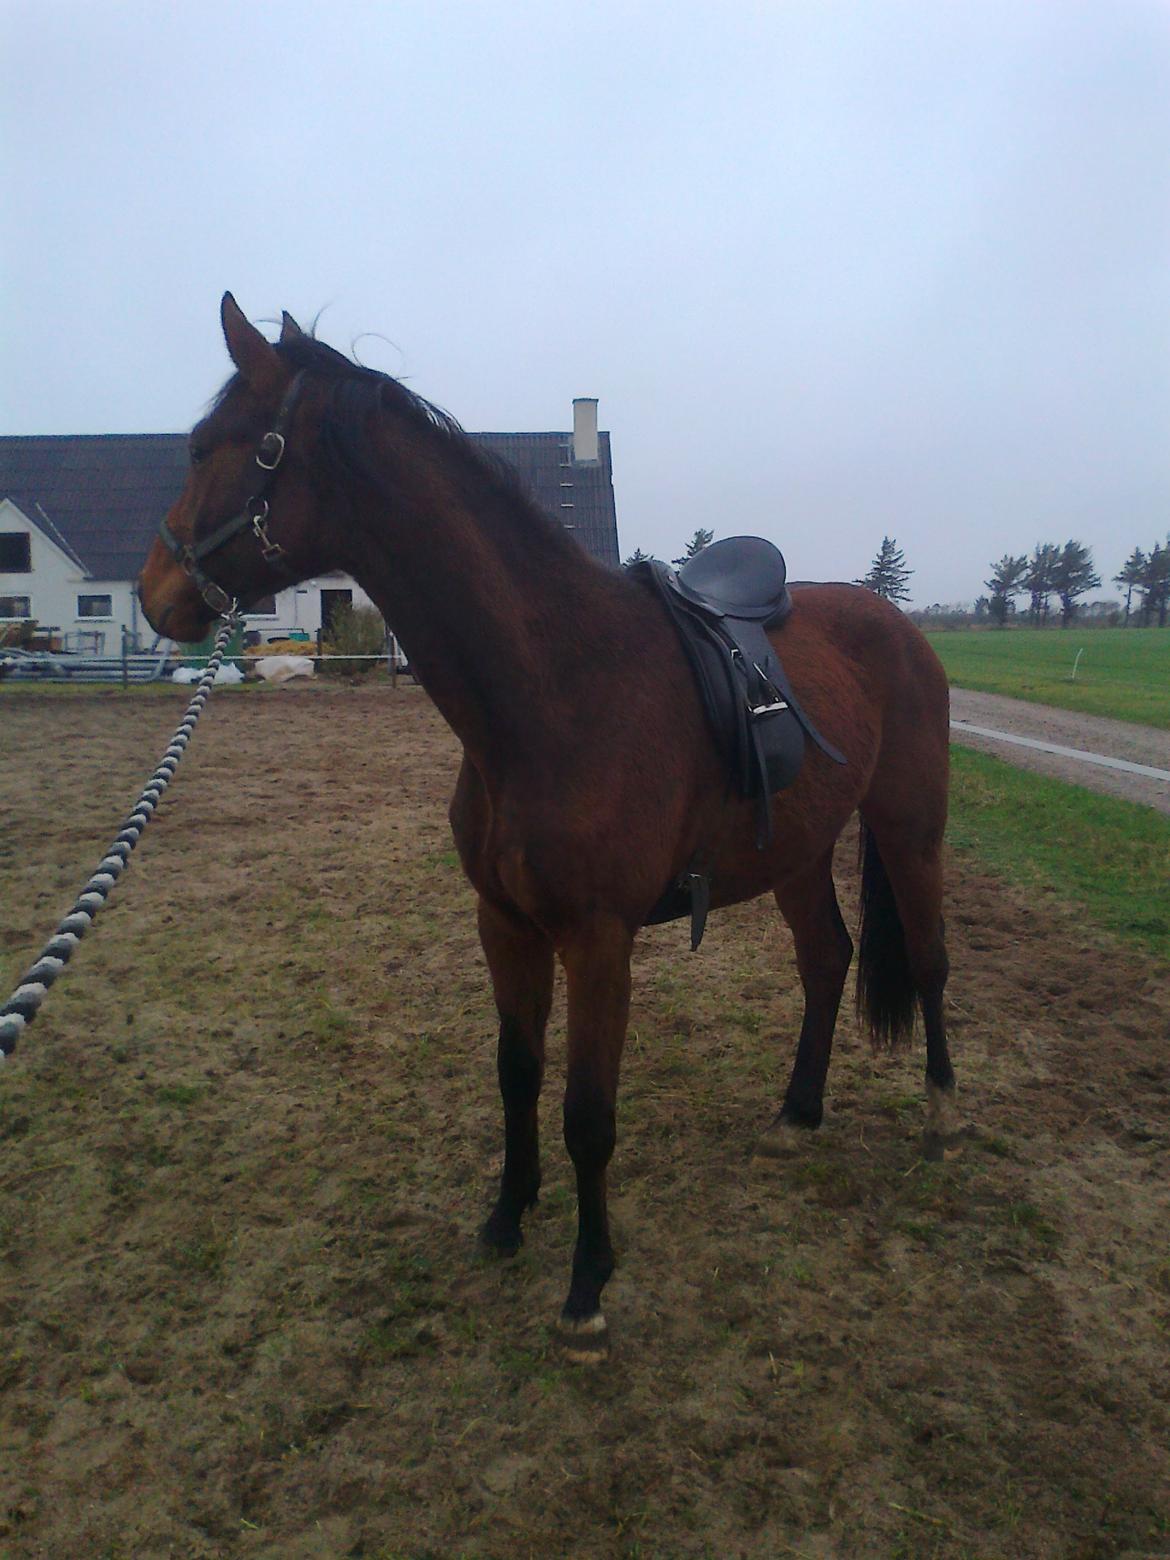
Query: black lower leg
{"x": 590, "y": 1134}
{"x": 804, "y": 1103}
{"x": 824, "y": 950}
{"x": 520, "y": 1073}
{"x": 932, "y": 982}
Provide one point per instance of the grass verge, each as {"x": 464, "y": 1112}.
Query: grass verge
{"x": 1110, "y": 857}
{"x": 1123, "y": 673}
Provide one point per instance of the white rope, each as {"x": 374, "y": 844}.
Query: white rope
{"x": 21, "y": 1008}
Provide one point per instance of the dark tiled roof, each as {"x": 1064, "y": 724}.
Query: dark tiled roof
{"x": 578, "y": 495}
{"x": 106, "y": 493}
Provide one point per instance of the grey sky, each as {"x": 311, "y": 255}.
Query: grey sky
{"x": 833, "y": 270}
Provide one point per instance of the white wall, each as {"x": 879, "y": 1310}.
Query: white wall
{"x": 299, "y": 607}
{"x": 55, "y": 581}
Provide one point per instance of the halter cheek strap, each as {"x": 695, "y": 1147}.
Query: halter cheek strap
{"x": 254, "y": 515}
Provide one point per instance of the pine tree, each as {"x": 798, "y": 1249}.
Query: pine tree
{"x": 1037, "y": 579}
{"x": 1072, "y": 575}
{"x": 888, "y": 573}
{"x": 638, "y": 556}
{"x": 1007, "y": 578}
{"x": 696, "y": 544}
{"x": 1155, "y": 584}
{"x": 1131, "y": 577}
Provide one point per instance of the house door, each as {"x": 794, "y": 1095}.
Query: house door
{"x": 331, "y": 601}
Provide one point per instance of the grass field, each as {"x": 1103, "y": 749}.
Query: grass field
{"x": 1123, "y": 672}
{"x": 1109, "y": 857}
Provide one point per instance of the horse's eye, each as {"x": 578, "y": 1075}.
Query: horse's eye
{"x": 198, "y": 454}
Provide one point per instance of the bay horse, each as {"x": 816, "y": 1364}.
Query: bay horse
{"x": 589, "y": 778}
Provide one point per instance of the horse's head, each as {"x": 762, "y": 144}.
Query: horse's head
{"x": 245, "y": 524}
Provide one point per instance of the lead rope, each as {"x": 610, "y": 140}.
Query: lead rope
{"x": 21, "y": 1007}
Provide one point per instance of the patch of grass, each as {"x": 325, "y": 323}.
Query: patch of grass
{"x": 204, "y": 1253}
{"x": 997, "y": 1147}
{"x": 1109, "y": 858}
{"x": 750, "y": 1020}
{"x": 1027, "y": 1222}
{"x": 442, "y": 858}
{"x": 180, "y": 1094}
{"x": 399, "y": 1338}
{"x": 1123, "y": 673}
{"x": 330, "y": 1025}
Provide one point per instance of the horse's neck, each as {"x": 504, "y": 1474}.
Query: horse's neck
{"x": 494, "y": 609}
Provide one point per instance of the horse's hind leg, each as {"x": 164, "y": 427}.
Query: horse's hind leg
{"x": 808, "y": 902}
{"x": 520, "y": 959}
{"x": 909, "y": 860}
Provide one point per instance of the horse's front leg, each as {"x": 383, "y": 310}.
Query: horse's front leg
{"x": 520, "y": 959}
{"x": 597, "y": 974}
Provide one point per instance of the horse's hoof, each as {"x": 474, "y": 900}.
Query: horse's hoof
{"x": 938, "y": 1146}
{"x": 943, "y": 1135}
{"x": 500, "y": 1237}
{"x": 583, "y": 1340}
{"x": 782, "y": 1139}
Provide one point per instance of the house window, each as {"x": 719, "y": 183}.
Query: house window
{"x": 15, "y": 606}
{"x": 95, "y": 606}
{"x": 264, "y": 607}
{"x": 15, "y": 553}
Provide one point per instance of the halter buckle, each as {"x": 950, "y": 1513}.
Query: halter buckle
{"x": 273, "y": 441}
{"x": 218, "y": 599}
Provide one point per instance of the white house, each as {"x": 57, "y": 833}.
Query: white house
{"x": 78, "y": 513}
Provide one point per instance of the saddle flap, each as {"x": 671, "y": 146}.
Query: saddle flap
{"x": 739, "y": 577}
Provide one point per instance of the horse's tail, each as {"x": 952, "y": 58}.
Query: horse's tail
{"x": 885, "y": 986}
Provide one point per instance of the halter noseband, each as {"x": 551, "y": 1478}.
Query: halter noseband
{"x": 254, "y": 514}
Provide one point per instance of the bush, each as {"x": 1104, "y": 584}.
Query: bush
{"x": 354, "y": 631}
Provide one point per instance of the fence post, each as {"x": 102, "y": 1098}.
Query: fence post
{"x": 125, "y": 665}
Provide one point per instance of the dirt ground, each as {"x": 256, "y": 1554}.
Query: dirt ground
{"x": 246, "y": 1147}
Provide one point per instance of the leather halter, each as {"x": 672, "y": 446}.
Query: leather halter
{"x": 253, "y": 516}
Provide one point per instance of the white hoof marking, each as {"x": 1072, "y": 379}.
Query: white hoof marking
{"x": 584, "y": 1342}
{"x": 782, "y": 1139}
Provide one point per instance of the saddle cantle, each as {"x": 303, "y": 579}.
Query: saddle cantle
{"x": 721, "y": 603}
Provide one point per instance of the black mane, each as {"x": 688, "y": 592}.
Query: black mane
{"x": 357, "y": 394}
{"x": 358, "y": 391}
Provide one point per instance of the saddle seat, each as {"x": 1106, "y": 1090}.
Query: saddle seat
{"x": 739, "y": 577}
{"x": 721, "y": 602}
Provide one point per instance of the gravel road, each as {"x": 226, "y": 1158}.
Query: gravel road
{"x": 1090, "y": 733}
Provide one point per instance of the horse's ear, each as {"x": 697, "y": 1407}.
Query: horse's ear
{"x": 289, "y": 329}
{"x": 255, "y": 357}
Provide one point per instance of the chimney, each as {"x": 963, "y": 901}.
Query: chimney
{"x": 585, "y": 429}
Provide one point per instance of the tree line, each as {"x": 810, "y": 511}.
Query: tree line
{"x": 1063, "y": 574}
{"x": 1067, "y": 573}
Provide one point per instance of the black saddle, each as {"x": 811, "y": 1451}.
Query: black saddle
{"x": 721, "y": 603}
